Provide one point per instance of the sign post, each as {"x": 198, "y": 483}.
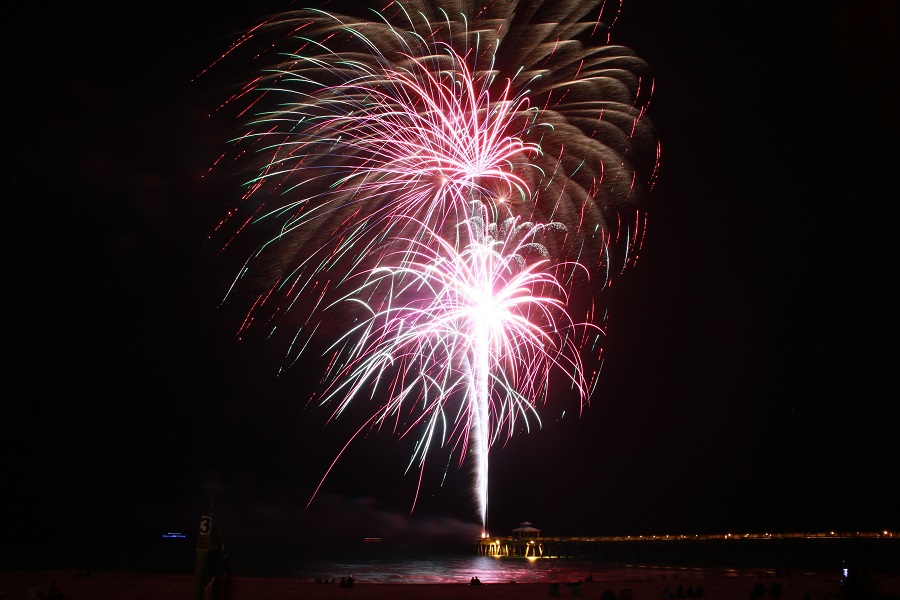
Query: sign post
{"x": 202, "y": 556}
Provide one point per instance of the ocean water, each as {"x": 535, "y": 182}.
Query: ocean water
{"x": 407, "y": 568}
{"x": 371, "y": 564}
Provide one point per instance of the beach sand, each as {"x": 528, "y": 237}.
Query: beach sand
{"x": 138, "y": 586}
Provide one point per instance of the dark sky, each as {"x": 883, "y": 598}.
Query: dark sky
{"x": 749, "y": 382}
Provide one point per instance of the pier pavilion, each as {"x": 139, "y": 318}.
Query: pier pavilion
{"x": 525, "y": 541}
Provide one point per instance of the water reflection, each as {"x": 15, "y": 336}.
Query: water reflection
{"x": 461, "y": 569}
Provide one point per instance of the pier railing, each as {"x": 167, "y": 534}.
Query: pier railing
{"x": 880, "y": 549}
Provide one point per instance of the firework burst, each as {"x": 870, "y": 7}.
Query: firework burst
{"x": 408, "y": 169}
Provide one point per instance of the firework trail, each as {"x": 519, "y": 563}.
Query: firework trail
{"x": 401, "y": 162}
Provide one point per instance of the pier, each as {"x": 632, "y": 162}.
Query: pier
{"x": 878, "y": 551}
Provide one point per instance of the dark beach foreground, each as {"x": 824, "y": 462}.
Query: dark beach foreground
{"x": 139, "y": 586}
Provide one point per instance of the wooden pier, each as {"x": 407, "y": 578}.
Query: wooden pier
{"x": 878, "y": 551}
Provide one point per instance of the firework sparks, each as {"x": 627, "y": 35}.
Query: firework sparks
{"x": 466, "y": 332}
{"x": 449, "y": 175}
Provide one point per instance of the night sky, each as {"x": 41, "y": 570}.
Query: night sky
{"x": 750, "y": 374}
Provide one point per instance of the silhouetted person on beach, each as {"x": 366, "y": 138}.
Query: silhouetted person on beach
{"x": 33, "y": 593}
{"x": 53, "y": 592}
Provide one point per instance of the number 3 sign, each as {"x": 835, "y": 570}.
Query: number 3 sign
{"x": 205, "y": 524}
